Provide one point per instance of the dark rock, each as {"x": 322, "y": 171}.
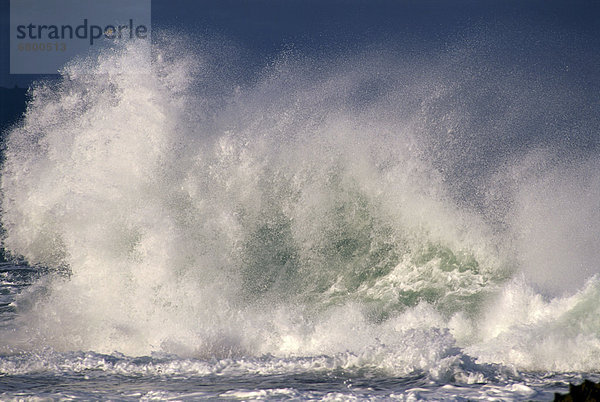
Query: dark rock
{"x": 587, "y": 391}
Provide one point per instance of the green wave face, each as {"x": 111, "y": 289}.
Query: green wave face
{"x": 346, "y": 248}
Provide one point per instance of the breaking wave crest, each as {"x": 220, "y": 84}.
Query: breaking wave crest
{"x": 307, "y": 212}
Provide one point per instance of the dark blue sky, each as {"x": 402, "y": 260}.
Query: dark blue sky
{"x": 263, "y": 28}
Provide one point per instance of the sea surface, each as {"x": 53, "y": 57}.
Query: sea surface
{"x": 358, "y": 226}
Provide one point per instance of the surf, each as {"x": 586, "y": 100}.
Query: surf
{"x": 306, "y": 212}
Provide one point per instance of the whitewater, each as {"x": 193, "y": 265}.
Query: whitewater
{"x": 363, "y": 226}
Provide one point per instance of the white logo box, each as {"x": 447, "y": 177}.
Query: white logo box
{"x": 46, "y": 34}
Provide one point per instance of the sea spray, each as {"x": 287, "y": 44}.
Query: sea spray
{"x": 293, "y": 216}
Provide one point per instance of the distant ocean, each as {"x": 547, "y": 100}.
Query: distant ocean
{"x": 365, "y": 226}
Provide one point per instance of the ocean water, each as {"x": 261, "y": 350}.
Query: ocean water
{"x": 362, "y": 226}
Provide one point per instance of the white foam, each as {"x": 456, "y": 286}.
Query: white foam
{"x": 274, "y": 220}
